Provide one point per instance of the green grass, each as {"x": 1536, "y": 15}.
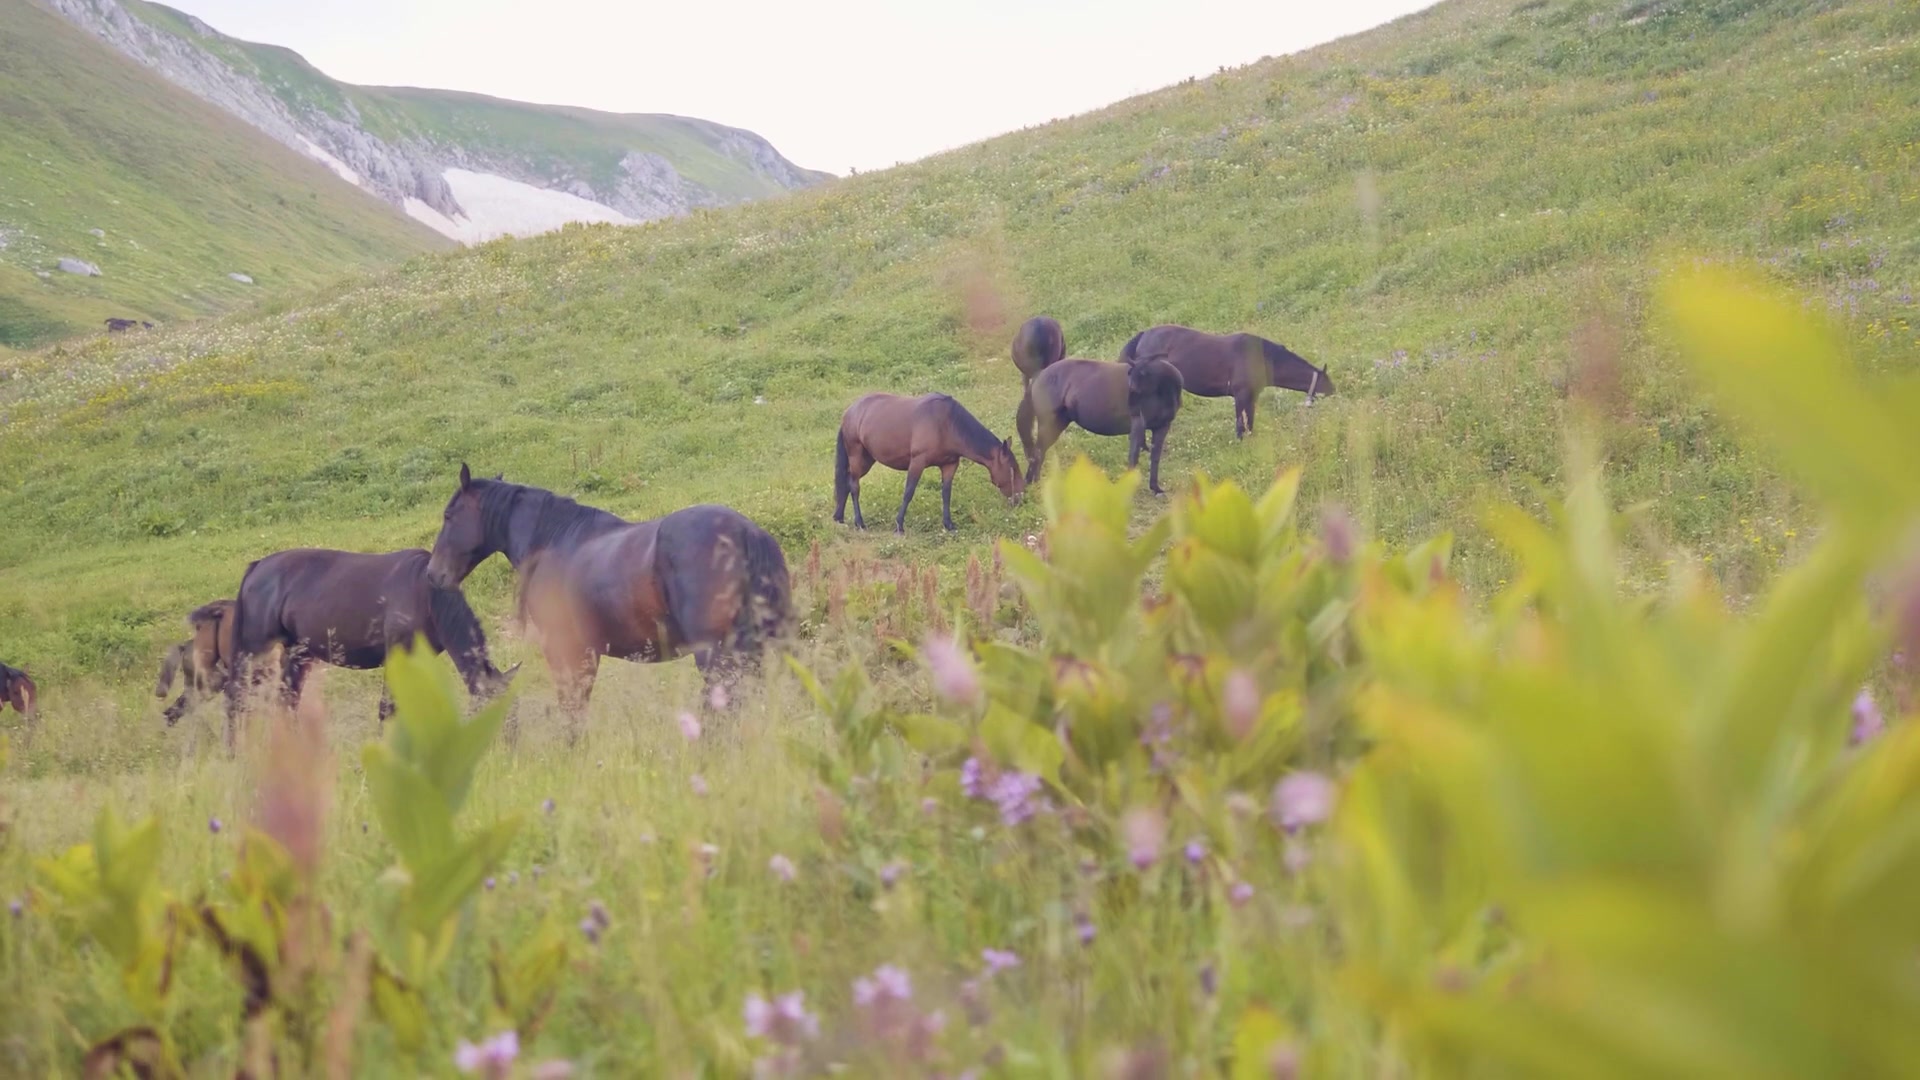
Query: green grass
{"x": 1443, "y": 211}
{"x": 184, "y": 194}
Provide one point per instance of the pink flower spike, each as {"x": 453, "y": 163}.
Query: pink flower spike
{"x": 782, "y": 867}
{"x": 1145, "y": 831}
{"x": 689, "y": 726}
{"x": 1867, "y": 721}
{"x": 1241, "y": 703}
{"x": 698, "y": 783}
{"x": 954, "y": 677}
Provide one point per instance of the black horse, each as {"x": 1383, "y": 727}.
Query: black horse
{"x": 1238, "y": 366}
{"x": 704, "y": 579}
{"x": 347, "y": 609}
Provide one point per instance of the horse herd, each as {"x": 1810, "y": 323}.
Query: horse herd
{"x": 703, "y": 580}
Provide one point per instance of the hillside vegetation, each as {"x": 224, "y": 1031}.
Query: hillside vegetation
{"x": 1440, "y": 211}
{"x": 182, "y": 194}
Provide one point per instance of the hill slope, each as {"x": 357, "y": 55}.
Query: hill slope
{"x": 472, "y": 167}
{"x": 181, "y": 194}
{"x": 1439, "y": 211}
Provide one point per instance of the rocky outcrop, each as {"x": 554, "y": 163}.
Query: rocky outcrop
{"x": 407, "y": 171}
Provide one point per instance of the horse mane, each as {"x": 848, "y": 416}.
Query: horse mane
{"x": 974, "y": 433}
{"x": 460, "y": 632}
{"x": 557, "y": 521}
{"x": 209, "y": 612}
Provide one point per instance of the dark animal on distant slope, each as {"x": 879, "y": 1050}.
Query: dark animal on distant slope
{"x": 1238, "y": 366}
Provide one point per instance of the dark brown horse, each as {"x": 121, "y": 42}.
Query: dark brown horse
{"x": 1106, "y": 399}
{"x": 17, "y": 690}
{"x": 1238, "y": 366}
{"x": 347, "y": 609}
{"x": 704, "y": 579}
{"x": 1038, "y": 343}
{"x": 914, "y": 434}
{"x": 204, "y": 660}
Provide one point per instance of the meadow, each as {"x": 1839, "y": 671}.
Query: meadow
{"x": 1466, "y": 216}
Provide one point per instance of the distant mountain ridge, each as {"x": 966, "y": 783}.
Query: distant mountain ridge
{"x": 472, "y": 167}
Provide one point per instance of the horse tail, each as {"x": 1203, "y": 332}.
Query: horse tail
{"x": 169, "y": 667}
{"x": 460, "y": 633}
{"x": 1129, "y": 352}
{"x": 764, "y": 611}
{"x": 842, "y": 471}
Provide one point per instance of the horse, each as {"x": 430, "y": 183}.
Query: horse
{"x": 17, "y": 690}
{"x": 1106, "y": 399}
{"x": 913, "y": 434}
{"x": 1038, "y": 343}
{"x": 348, "y": 609}
{"x": 703, "y": 579}
{"x": 1229, "y": 365}
{"x": 204, "y": 659}
{"x": 121, "y": 326}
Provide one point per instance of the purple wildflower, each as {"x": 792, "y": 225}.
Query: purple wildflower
{"x": 999, "y": 960}
{"x": 698, "y": 783}
{"x": 1158, "y": 736}
{"x": 214, "y": 826}
{"x": 16, "y": 908}
{"x": 547, "y": 806}
{"x": 689, "y": 726}
{"x": 1017, "y": 794}
{"x": 597, "y": 911}
{"x": 537, "y": 871}
{"x": 784, "y": 1020}
{"x": 1867, "y": 721}
{"x": 887, "y": 983}
{"x": 1083, "y": 929}
{"x": 1195, "y": 851}
{"x": 929, "y": 804}
{"x": 1301, "y": 799}
{"x": 492, "y": 1058}
{"x": 1240, "y": 893}
{"x": 890, "y": 872}
{"x": 972, "y": 778}
{"x": 590, "y": 930}
{"x": 1209, "y": 980}
{"x": 489, "y": 884}
{"x": 954, "y": 677}
{"x": 782, "y": 867}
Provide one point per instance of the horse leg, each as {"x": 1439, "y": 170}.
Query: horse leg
{"x": 1136, "y": 439}
{"x": 1253, "y": 399}
{"x": 1242, "y": 407}
{"x": 856, "y": 470}
{"x": 293, "y": 678}
{"x": 386, "y": 708}
{"x": 178, "y": 709}
{"x": 1153, "y": 461}
{"x": 1023, "y": 423}
{"x": 913, "y": 481}
{"x": 573, "y": 675}
{"x": 946, "y": 494}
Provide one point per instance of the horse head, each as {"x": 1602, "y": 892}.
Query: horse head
{"x": 1004, "y": 466}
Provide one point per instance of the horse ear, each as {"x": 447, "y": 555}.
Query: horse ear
{"x": 466, "y": 477}
{"x": 500, "y": 475}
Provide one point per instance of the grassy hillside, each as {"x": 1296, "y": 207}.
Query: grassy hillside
{"x": 183, "y": 193}
{"x": 563, "y": 141}
{"x": 1441, "y": 211}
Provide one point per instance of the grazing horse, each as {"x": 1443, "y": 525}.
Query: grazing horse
{"x": 704, "y": 579}
{"x": 347, "y": 609}
{"x": 121, "y": 326}
{"x": 17, "y": 690}
{"x": 914, "y": 434}
{"x": 1238, "y": 366}
{"x": 1038, "y": 344}
{"x": 1106, "y": 399}
{"x": 204, "y": 659}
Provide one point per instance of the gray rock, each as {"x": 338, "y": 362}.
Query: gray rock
{"x": 98, "y": 233}
{"x": 79, "y": 266}
{"x": 241, "y": 278}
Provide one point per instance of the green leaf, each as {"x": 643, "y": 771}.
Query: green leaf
{"x": 1259, "y": 1033}
{"x": 450, "y": 764}
{"x": 400, "y": 1008}
{"x": 1222, "y": 517}
{"x": 439, "y": 890}
{"x": 413, "y": 815}
{"x": 425, "y": 701}
{"x": 934, "y": 736}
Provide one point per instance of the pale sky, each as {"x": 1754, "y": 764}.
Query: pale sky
{"x": 833, "y": 84}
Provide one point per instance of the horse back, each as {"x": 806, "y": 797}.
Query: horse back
{"x": 1037, "y": 345}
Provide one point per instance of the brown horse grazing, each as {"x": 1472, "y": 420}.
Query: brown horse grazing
{"x": 203, "y": 659}
{"x": 704, "y": 579}
{"x": 914, "y": 434}
{"x": 347, "y": 609}
{"x": 1106, "y": 399}
{"x": 1038, "y": 343}
{"x": 17, "y": 690}
{"x": 1238, "y": 366}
